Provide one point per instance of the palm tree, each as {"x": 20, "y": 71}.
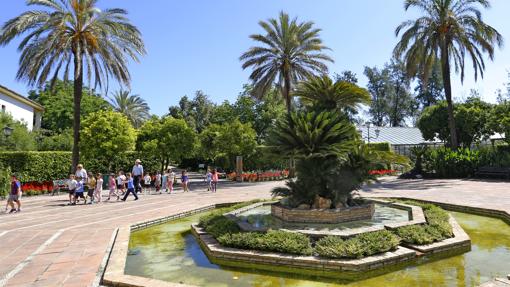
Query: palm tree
{"x": 329, "y": 95}
{"x": 448, "y": 31}
{"x": 132, "y": 106}
{"x": 65, "y": 32}
{"x": 291, "y": 51}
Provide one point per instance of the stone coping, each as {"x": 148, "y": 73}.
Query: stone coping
{"x": 215, "y": 251}
{"x": 416, "y": 216}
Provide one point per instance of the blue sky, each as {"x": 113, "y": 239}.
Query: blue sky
{"x": 195, "y": 45}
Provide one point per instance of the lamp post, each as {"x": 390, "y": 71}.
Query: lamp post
{"x": 368, "y": 137}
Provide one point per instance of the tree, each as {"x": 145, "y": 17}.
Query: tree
{"x": 324, "y": 94}
{"x": 430, "y": 91}
{"x": 291, "y": 51}
{"x": 21, "y": 138}
{"x": 499, "y": 119}
{"x": 449, "y": 30}
{"x": 106, "y": 134}
{"x": 222, "y": 143}
{"x": 347, "y": 76}
{"x": 132, "y": 106}
{"x": 197, "y": 113}
{"x": 169, "y": 139}
{"x": 471, "y": 118}
{"x": 58, "y": 101}
{"x": 392, "y": 102}
{"x": 96, "y": 41}
{"x": 54, "y": 141}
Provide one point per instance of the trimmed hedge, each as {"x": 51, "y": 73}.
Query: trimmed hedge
{"x": 273, "y": 240}
{"x": 365, "y": 244}
{"x": 50, "y": 165}
{"x": 222, "y": 225}
{"x": 438, "y": 227}
{"x": 380, "y": 146}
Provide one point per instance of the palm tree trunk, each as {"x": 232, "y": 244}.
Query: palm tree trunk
{"x": 78, "y": 88}
{"x": 288, "y": 102}
{"x": 445, "y": 63}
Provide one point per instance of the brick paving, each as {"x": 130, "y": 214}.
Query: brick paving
{"x": 52, "y": 244}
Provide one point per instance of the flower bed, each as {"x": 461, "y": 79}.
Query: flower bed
{"x": 260, "y": 176}
{"x": 37, "y": 187}
{"x": 381, "y": 172}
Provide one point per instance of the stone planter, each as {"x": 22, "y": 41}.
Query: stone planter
{"x": 338, "y": 215}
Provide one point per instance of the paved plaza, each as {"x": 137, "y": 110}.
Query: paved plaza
{"x": 52, "y": 244}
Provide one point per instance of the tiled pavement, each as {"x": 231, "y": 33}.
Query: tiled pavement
{"x": 51, "y": 244}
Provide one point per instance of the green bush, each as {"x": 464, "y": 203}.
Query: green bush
{"x": 5, "y": 181}
{"x": 222, "y": 225}
{"x": 447, "y": 163}
{"x": 362, "y": 245}
{"x": 277, "y": 241}
{"x": 380, "y": 146}
{"x": 437, "y": 228}
{"x": 206, "y": 220}
{"x": 51, "y": 165}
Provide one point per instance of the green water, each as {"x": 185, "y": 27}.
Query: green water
{"x": 169, "y": 252}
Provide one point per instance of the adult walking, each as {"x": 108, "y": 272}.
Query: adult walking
{"x": 215, "y": 179}
{"x": 137, "y": 173}
{"x": 81, "y": 172}
{"x": 15, "y": 194}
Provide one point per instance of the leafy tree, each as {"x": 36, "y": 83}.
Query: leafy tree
{"x": 197, "y": 113}
{"x": 499, "y": 119}
{"x": 290, "y": 52}
{"x": 21, "y": 138}
{"x": 106, "y": 134}
{"x": 347, "y": 76}
{"x": 74, "y": 34}
{"x": 449, "y": 31}
{"x": 225, "y": 112}
{"x": 55, "y": 141}
{"x": 392, "y": 102}
{"x": 58, "y": 101}
{"x": 133, "y": 107}
{"x": 222, "y": 143}
{"x": 169, "y": 139}
{"x": 471, "y": 118}
{"x": 430, "y": 91}
{"x": 324, "y": 94}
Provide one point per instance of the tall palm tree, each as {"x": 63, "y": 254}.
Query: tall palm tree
{"x": 132, "y": 106}
{"x": 291, "y": 51}
{"x": 330, "y": 95}
{"x": 64, "y": 32}
{"x": 449, "y": 31}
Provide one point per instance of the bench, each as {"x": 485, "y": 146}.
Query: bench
{"x": 491, "y": 171}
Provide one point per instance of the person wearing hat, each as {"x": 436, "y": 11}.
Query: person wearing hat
{"x": 137, "y": 175}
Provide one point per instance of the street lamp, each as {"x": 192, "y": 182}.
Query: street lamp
{"x": 368, "y": 137}
{"x": 7, "y": 131}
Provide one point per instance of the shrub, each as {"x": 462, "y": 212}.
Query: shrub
{"x": 277, "y": 241}
{"x": 385, "y": 146}
{"x": 437, "y": 228}
{"x": 447, "y": 163}
{"x": 362, "y": 245}
{"x": 222, "y": 225}
{"x": 5, "y": 181}
{"x": 209, "y": 218}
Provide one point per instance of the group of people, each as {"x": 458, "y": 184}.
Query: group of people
{"x": 83, "y": 185}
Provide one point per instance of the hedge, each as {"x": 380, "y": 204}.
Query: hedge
{"x": 380, "y": 146}
{"x": 50, "y": 165}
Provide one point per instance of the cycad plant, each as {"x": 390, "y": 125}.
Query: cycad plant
{"x": 448, "y": 30}
{"x": 74, "y": 36}
{"x": 320, "y": 142}
{"x": 290, "y": 51}
{"x": 132, "y": 106}
{"x": 325, "y": 94}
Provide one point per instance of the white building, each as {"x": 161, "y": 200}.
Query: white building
{"x": 21, "y": 108}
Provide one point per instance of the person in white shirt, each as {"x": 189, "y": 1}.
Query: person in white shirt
{"x": 147, "y": 183}
{"x": 81, "y": 173}
{"x": 71, "y": 186}
{"x": 170, "y": 180}
{"x": 121, "y": 182}
{"x": 98, "y": 191}
{"x": 137, "y": 173}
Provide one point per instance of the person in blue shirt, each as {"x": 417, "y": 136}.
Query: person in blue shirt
{"x": 130, "y": 187}
{"x": 78, "y": 193}
{"x": 15, "y": 194}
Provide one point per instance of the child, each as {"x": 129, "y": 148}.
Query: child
{"x": 91, "y": 185}
{"x": 157, "y": 182}
{"x": 99, "y": 188}
{"x": 170, "y": 179}
{"x": 215, "y": 179}
{"x": 15, "y": 194}
{"x": 147, "y": 183}
{"x": 71, "y": 186}
{"x": 130, "y": 187}
{"x": 79, "y": 191}
{"x": 185, "y": 181}
{"x": 112, "y": 187}
{"x": 208, "y": 178}
{"x": 121, "y": 178}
